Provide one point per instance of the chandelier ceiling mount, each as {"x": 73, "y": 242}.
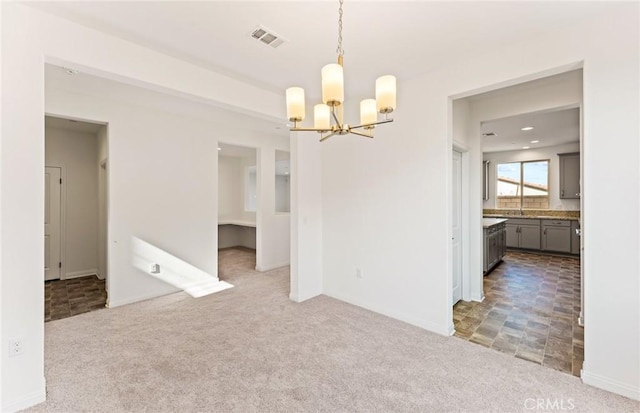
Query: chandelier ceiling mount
{"x": 328, "y": 115}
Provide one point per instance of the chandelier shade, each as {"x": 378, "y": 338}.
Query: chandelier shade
{"x": 368, "y": 112}
{"x": 322, "y": 117}
{"x": 386, "y": 93}
{"x": 332, "y": 84}
{"x": 327, "y": 116}
{"x": 295, "y": 104}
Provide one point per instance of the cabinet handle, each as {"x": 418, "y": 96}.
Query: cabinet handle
{"x": 545, "y": 231}
{"x": 578, "y": 194}
{"x": 562, "y": 193}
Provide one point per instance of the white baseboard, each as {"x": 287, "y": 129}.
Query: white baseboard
{"x": 611, "y": 385}
{"x": 78, "y": 274}
{"x": 443, "y": 330}
{"x": 271, "y": 267}
{"x": 28, "y": 400}
{"x": 296, "y": 298}
{"x": 143, "y": 297}
{"x": 452, "y": 329}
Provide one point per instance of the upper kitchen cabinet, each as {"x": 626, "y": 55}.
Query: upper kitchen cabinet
{"x": 569, "y": 175}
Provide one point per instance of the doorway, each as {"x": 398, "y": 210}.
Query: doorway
{"x": 238, "y": 203}
{"x": 76, "y": 193}
{"x": 528, "y": 303}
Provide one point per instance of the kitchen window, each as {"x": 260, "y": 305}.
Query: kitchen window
{"x": 523, "y": 185}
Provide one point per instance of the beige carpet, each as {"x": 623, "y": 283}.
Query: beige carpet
{"x": 250, "y": 349}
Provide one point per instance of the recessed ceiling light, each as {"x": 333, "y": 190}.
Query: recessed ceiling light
{"x": 525, "y": 147}
{"x": 535, "y": 141}
{"x": 526, "y": 128}
{"x": 219, "y": 148}
{"x": 70, "y": 72}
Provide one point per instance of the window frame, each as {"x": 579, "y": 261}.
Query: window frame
{"x": 521, "y": 184}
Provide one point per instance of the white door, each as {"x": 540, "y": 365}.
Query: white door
{"x": 52, "y": 185}
{"x": 456, "y": 219}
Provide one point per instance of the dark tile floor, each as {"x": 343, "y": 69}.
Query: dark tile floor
{"x": 66, "y": 298}
{"x": 530, "y": 311}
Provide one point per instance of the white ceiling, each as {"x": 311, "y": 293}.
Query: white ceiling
{"x": 550, "y": 128}
{"x": 405, "y": 38}
{"x": 72, "y": 125}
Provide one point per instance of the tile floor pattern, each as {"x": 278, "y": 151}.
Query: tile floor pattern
{"x": 530, "y": 310}
{"x": 66, "y": 298}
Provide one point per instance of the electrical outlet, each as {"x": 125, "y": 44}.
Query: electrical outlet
{"x": 358, "y": 272}
{"x": 154, "y": 268}
{"x": 16, "y": 347}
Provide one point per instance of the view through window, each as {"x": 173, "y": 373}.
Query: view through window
{"x": 523, "y": 185}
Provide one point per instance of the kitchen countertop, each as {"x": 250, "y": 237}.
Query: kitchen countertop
{"x": 532, "y": 217}
{"x": 236, "y": 222}
{"x": 489, "y": 222}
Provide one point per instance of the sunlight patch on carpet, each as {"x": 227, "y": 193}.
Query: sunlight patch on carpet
{"x": 174, "y": 271}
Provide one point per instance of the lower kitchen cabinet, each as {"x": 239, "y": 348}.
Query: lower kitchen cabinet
{"x": 556, "y": 235}
{"x": 575, "y": 237}
{"x": 494, "y": 246}
{"x": 523, "y": 233}
{"x": 543, "y": 235}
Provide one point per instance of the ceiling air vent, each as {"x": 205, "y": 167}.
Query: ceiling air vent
{"x": 267, "y": 36}
{"x": 490, "y": 134}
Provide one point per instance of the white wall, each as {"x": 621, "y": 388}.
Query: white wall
{"x": 275, "y": 251}
{"x": 282, "y": 193}
{"x": 243, "y": 213}
{"x": 546, "y": 153}
{"x": 306, "y": 217}
{"x": 394, "y": 221}
{"x": 76, "y": 153}
{"x": 230, "y": 187}
{"x": 140, "y": 175}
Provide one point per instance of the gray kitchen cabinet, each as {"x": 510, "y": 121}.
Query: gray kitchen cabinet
{"x": 494, "y": 246}
{"x": 513, "y": 238}
{"x": 575, "y": 238}
{"x": 569, "y": 175}
{"x": 523, "y": 233}
{"x": 556, "y": 235}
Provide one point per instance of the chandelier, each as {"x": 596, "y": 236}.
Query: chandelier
{"x": 328, "y": 115}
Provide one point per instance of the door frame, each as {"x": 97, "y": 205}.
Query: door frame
{"x": 103, "y": 215}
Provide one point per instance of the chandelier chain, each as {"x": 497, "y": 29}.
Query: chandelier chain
{"x": 340, "y": 50}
